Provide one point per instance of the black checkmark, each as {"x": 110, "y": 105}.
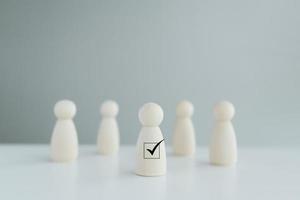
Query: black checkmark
{"x": 155, "y": 147}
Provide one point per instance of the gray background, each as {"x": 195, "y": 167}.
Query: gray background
{"x": 136, "y": 51}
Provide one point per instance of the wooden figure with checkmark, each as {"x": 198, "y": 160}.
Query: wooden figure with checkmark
{"x": 151, "y": 152}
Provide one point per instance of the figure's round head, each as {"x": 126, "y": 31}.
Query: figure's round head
{"x": 151, "y": 114}
{"x": 184, "y": 109}
{"x": 224, "y": 110}
{"x": 109, "y": 109}
{"x": 65, "y": 109}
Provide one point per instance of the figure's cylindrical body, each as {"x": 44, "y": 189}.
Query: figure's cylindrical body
{"x": 151, "y": 164}
{"x": 64, "y": 141}
{"x": 108, "y": 140}
{"x": 223, "y": 146}
{"x": 184, "y": 142}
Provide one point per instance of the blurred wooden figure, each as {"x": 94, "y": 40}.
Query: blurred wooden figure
{"x": 184, "y": 142}
{"x": 108, "y": 140}
{"x": 64, "y": 141}
{"x": 223, "y": 146}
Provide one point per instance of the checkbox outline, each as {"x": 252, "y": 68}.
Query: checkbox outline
{"x": 154, "y": 143}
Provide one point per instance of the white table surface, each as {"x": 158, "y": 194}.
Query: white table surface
{"x": 27, "y": 173}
